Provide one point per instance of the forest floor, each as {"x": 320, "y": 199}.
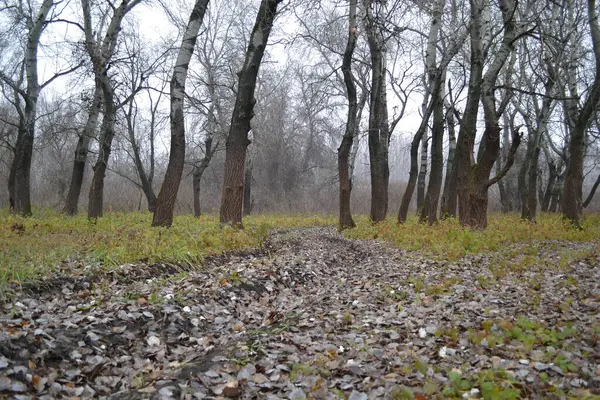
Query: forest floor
{"x": 312, "y": 314}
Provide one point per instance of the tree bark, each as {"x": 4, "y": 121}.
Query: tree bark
{"x": 506, "y": 189}
{"x": 11, "y": 184}
{"x": 557, "y": 193}
{"x": 198, "y": 171}
{"x": 20, "y": 172}
{"x": 435, "y": 82}
{"x": 530, "y": 206}
{"x": 145, "y": 179}
{"x": 232, "y": 198}
{"x": 430, "y": 200}
{"x": 345, "y": 218}
{"x": 100, "y": 55}
{"x": 81, "y": 152}
{"x": 96, "y": 195}
{"x": 430, "y": 204}
{"x": 530, "y": 203}
{"x": 379, "y": 134}
{"x": 549, "y": 187}
{"x": 590, "y": 196}
{"x": 248, "y": 201}
{"x": 165, "y": 204}
{"x": 573, "y": 186}
{"x": 422, "y": 176}
{"x": 474, "y": 178}
{"x": 448, "y": 207}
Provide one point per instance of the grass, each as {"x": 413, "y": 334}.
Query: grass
{"x": 450, "y": 241}
{"x": 31, "y": 248}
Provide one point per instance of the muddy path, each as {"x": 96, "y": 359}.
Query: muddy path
{"x": 311, "y": 315}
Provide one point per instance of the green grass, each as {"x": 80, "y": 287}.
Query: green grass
{"x": 30, "y": 248}
{"x": 448, "y": 240}
{"x": 48, "y": 242}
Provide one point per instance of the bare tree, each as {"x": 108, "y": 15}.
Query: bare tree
{"x": 237, "y": 140}
{"x": 474, "y": 176}
{"x": 433, "y": 100}
{"x": 100, "y": 56}
{"x": 448, "y": 201}
{"x": 345, "y": 218}
{"x": 101, "y": 51}
{"x": 430, "y": 201}
{"x": 19, "y": 185}
{"x": 163, "y": 216}
{"x": 572, "y": 193}
{"x": 379, "y": 133}
{"x": 138, "y": 70}
{"x": 213, "y": 83}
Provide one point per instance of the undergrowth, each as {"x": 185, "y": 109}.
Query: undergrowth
{"x": 449, "y": 240}
{"x": 50, "y": 242}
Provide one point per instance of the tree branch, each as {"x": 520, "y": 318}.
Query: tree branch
{"x": 62, "y": 73}
{"x": 590, "y": 196}
{"x": 510, "y": 159}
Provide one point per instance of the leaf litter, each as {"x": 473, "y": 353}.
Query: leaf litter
{"x": 312, "y": 315}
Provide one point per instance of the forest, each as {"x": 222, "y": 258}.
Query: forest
{"x": 308, "y": 199}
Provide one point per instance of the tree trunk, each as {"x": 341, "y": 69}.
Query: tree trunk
{"x": 248, "y": 201}
{"x": 198, "y": 171}
{"x": 11, "y": 184}
{"x": 573, "y": 187}
{"x": 466, "y": 135}
{"x": 356, "y": 142}
{"x": 590, "y": 196}
{"x": 523, "y": 172}
{"x": 545, "y": 206}
{"x": 165, "y": 204}
{"x": 196, "y": 178}
{"x": 448, "y": 207}
{"x": 573, "y": 183}
{"x": 379, "y": 135}
{"x": 21, "y": 168}
{"x": 435, "y": 81}
{"x": 557, "y": 193}
{"x": 506, "y": 201}
{"x": 530, "y": 201}
{"x": 414, "y": 170}
{"x": 422, "y": 177}
{"x": 96, "y": 195}
{"x": 430, "y": 205}
{"x": 345, "y": 219}
{"x": 145, "y": 179}
{"x": 232, "y": 198}
{"x": 81, "y": 152}
{"x": 529, "y": 211}
{"x": 474, "y": 178}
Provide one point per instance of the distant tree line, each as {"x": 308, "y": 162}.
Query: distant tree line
{"x": 454, "y": 99}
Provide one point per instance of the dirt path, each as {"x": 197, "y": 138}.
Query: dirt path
{"x": 312, "y": 315}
